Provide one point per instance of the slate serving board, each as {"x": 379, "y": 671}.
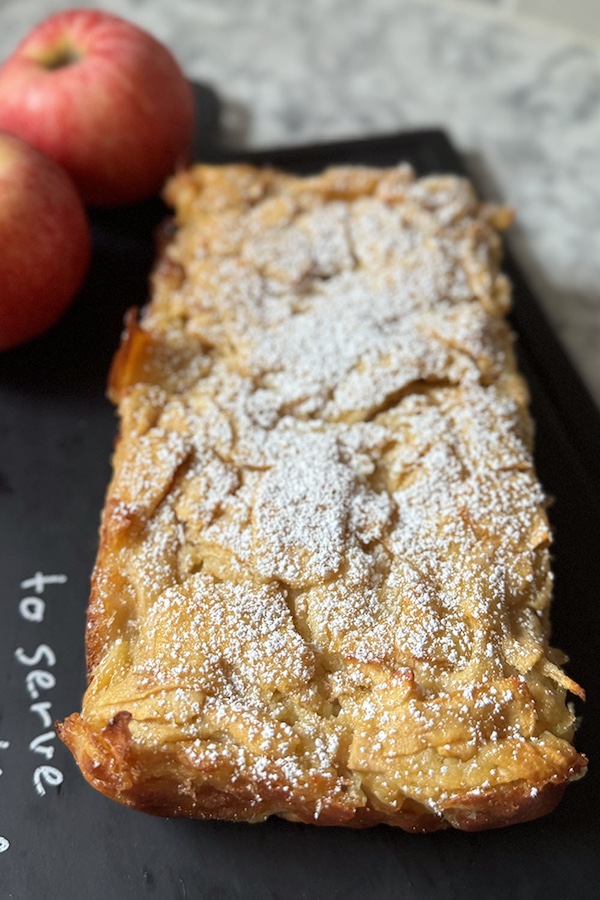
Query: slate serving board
{"x": 58, "y": 837}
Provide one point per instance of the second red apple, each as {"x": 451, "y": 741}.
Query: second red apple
{"x": 45, "y": 241}
{"x": 105, "y": 99}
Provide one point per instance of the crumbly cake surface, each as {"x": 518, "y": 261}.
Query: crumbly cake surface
{"x": 323, "y": 583}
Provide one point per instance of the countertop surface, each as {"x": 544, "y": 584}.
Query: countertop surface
{"x": 520, "y": 101}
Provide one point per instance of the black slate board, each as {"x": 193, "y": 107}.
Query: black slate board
{"x": 56, "y": 434}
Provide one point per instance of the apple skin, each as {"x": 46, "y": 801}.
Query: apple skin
{"x": 105, "y": 99}
{"x": 45, "y": 241}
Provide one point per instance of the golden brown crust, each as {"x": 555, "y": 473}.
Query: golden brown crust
{"x": 323, "y": 582}
{"x": 108, "y": 765}
{"x": 510, "y": 806}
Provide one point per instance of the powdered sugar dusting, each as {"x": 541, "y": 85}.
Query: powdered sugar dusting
{"x": 333, "y": 530}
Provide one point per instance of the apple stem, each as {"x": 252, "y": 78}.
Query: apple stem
{"x": 66, "y": 56}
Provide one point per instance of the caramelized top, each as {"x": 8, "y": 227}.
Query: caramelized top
{"x": 325, "y": 549}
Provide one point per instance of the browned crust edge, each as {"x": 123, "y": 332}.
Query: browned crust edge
{"x": 112, "y": 764}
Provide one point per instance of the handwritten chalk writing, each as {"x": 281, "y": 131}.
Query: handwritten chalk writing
{"x": 39, "y": 582}
{"x": 37, "y": 658}
{"x": 39, "y": 680}
{"x": 37, "y": 745}
{"x": 4, "y": 745}
{"x": 4, "y": 842}
{"x": 32, "y": 609}
{"x": 43, "y": 711}
{"x": 46, "y": 776}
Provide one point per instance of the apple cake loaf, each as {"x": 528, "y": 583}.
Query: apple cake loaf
{"x": 323, "y": 582}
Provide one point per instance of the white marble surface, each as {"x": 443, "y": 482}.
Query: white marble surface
{"x": 522, "y": 103}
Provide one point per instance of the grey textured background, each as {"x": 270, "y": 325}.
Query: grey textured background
{"x": 516, "y": 83}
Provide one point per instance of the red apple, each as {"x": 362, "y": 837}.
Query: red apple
{"x": 44, "y": 241}
{"x": 105, "y": 99}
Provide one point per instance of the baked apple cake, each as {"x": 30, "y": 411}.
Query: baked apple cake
{"x": 323, "y": 583}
